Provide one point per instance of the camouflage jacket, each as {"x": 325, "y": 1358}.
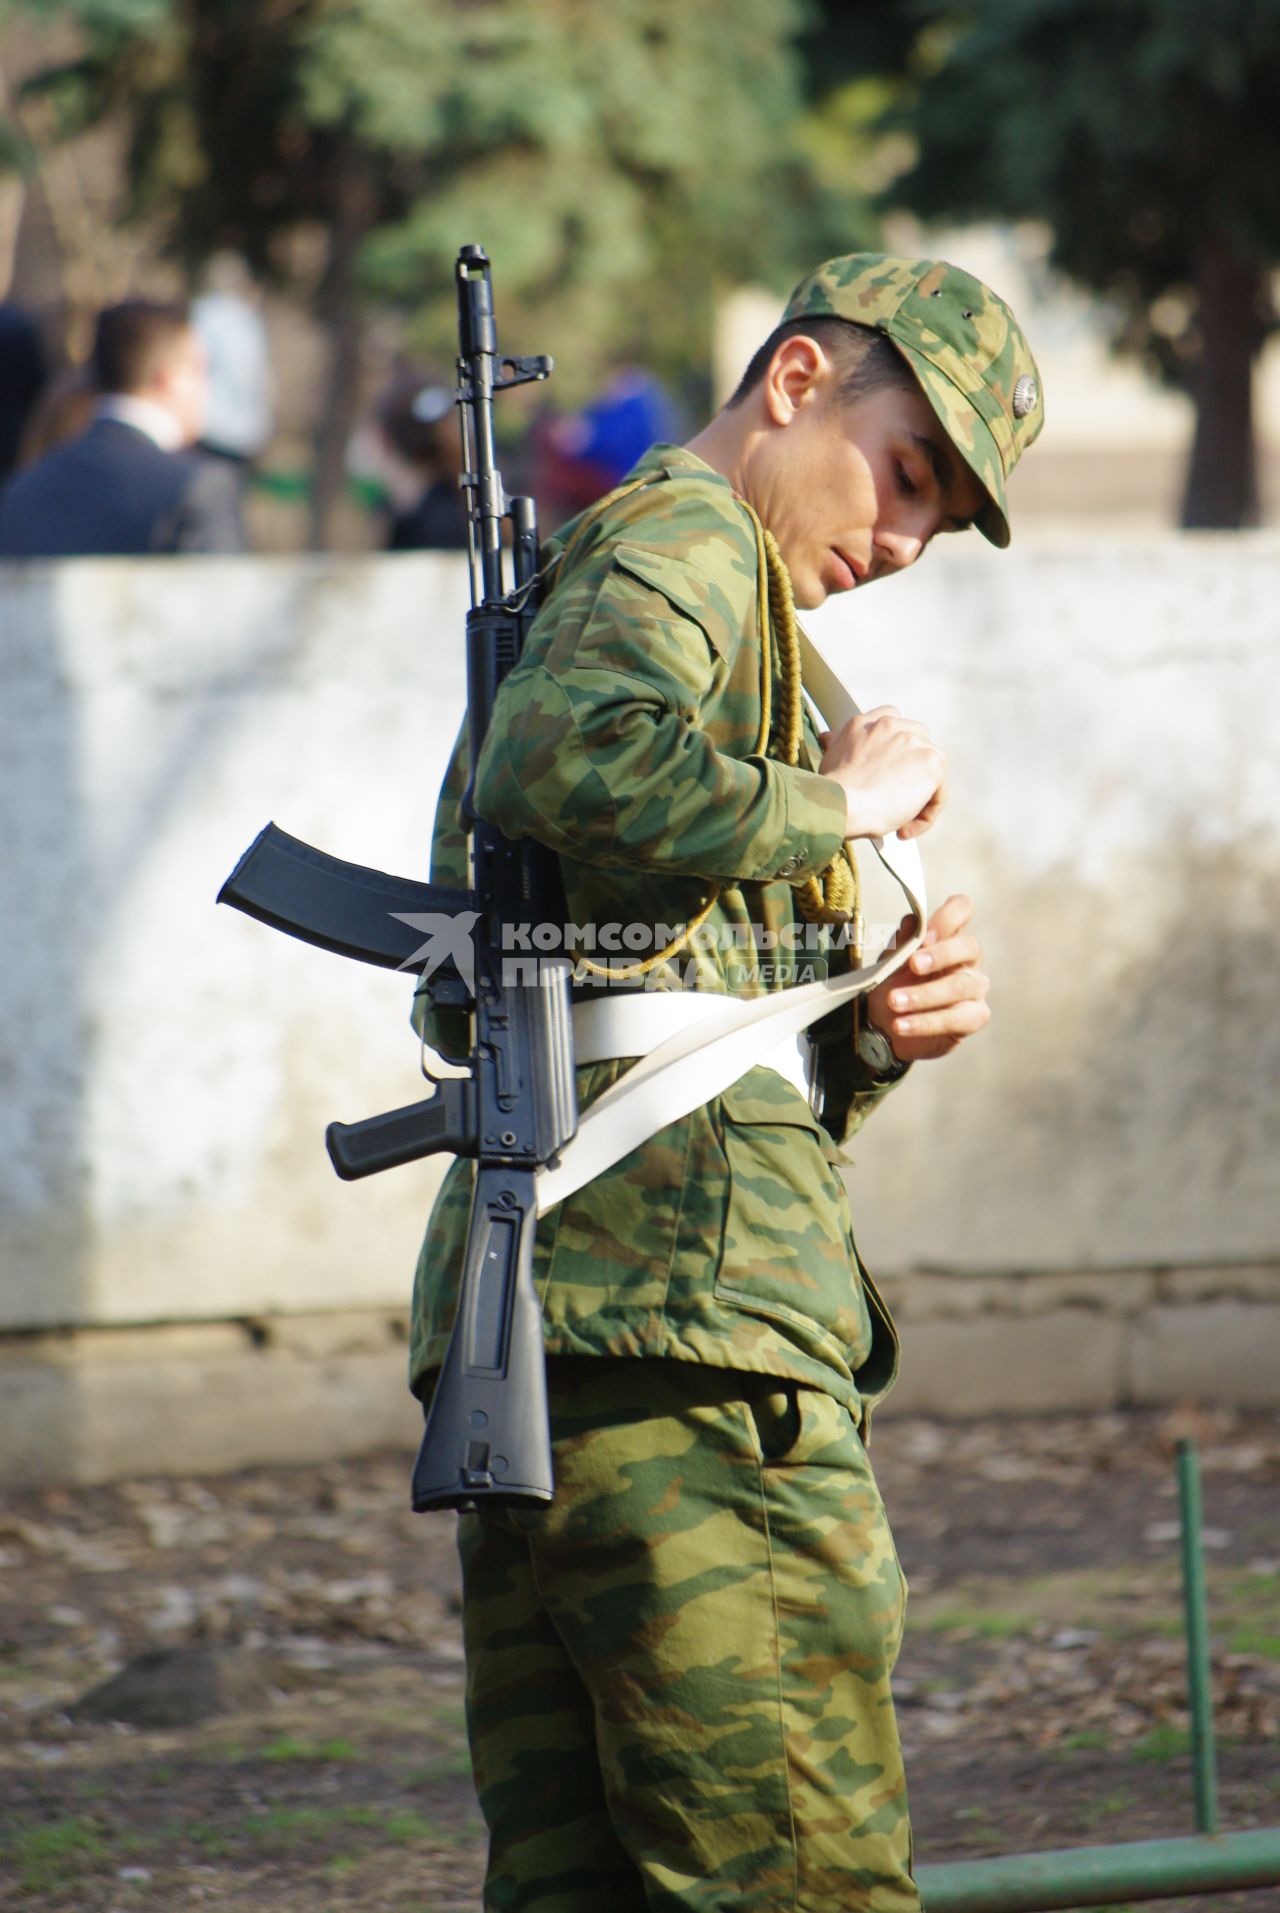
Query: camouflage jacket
{"x": 625, "y": 739}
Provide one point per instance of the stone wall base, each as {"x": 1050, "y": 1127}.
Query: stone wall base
{"x": 98, "y": 1405}
{"x": 1130, "y": 1338}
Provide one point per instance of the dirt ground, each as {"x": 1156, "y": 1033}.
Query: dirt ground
{"x": 293, "y": 1678}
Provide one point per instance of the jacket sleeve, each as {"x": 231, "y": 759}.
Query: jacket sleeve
{"x": 596, "y": 746}
{"x": 210, "y": 517}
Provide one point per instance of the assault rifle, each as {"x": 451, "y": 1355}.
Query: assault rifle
{"x": 486, "y": 1438}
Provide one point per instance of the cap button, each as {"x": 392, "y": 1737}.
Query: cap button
{"x": 1025, "y": 395}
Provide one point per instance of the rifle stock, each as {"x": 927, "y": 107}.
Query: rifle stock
{"x": 486, "y": 1438}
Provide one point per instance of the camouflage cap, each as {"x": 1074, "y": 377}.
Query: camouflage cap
{"x": 964, "y": 346}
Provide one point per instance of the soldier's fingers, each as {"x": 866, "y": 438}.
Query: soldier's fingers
{"x": 947, "y": 920}
{"x": 956, "y": 987}
{"x": 957, "y": 1019}
{"x": 949, "y": 917}
{"x": 952, "y": 954}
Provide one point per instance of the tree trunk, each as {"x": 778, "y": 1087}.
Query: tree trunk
{"x": 338, "y": 302}
{"x": 1222, "y": 477}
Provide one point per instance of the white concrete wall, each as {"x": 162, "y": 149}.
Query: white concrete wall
{"x": 1109, "y": 712}
{"x": 167, "y": 1069}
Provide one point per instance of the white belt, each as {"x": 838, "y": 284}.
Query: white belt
{"x": 699, "y": 1059}
{"x": 636, "y": 1022}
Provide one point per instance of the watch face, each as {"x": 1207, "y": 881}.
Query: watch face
{"x": 875, "y": 1050}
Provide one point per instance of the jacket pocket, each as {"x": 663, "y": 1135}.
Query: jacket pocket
{"x": 788, "y": 1245}
{"x": 608, "y": 1247}
{"x": 686, "y": 588}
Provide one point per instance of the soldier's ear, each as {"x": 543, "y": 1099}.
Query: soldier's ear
{"x": 796, "y": 375}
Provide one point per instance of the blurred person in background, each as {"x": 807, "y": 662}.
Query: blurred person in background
{"x": 131, "y": 484}
{"x": 64, "y": 410}
{"x": 584, "y": 455}
{"x": 23, "y": 374}
{"x": 240, "y": 409}
{"x": 410, "y": 449}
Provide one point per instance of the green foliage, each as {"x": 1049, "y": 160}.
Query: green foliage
{"x": 1086, "y": 1740}
{"x": 1105, "y": 1807}
{"x": 1164, "y": 1743}
{"x": 287, "y": 1747}
{"x": 616, "y": 160}
{"x": 1265, "y": 1643}
{"x": 988, "y": 1624}
{"x": 874, "y": 39}
{"x": 298, "y": 1825}
{"x": 52, "y": 1857}
{"x": 1135, "y": 130}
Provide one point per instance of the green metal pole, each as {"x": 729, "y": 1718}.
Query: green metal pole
{"x": 1091, "y": 1876}
{"x": 1199, "y": 1687}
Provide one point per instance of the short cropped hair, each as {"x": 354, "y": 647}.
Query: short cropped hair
{"x": 865, "y": 360}
{"x": 416, "y": 413}
{"x": 132, "y": 340}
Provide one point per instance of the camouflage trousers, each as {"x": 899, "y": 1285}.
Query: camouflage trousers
{"x": 678, "y": 1673}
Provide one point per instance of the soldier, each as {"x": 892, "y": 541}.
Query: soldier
{"x": 678, "y": 1672}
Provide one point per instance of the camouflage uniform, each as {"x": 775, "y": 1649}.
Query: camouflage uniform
{"x": 678, "y": 1675}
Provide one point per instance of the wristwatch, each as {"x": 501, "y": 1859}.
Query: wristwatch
{"x": 875, "y": 1052}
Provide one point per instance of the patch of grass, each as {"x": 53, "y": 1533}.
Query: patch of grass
{"x": 56, "y": 1856}
{"x": 1087, "y": 1740}
{"x": 1163, "y": 1743}
{"x": 1255, "y": 1640}
{"x": 402, "y": 1827}
{"x": 989, "y": 1624}
{"x": 1094, "y": 1598}
{"x": 395, "y": 1719}
{"x": 53, "y": 1857}
{"x": 1243, "y": 1592}
{"x": 407, "y": 1827}
{"x": 290, "y": 1822}
{"x": 1105, "y": 1807}
{"x": 454, "y": 1764}
{"x": 215, "y": 1842}
{"x": 287, "y": 1748}
{"x": 1162, "y": 1627}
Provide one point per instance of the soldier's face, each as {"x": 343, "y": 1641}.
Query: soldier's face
{"x": 853, "y": 493}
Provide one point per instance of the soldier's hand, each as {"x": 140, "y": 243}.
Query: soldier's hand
{"x": 892, "y": 773}
{"x": 939, "y": 996}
